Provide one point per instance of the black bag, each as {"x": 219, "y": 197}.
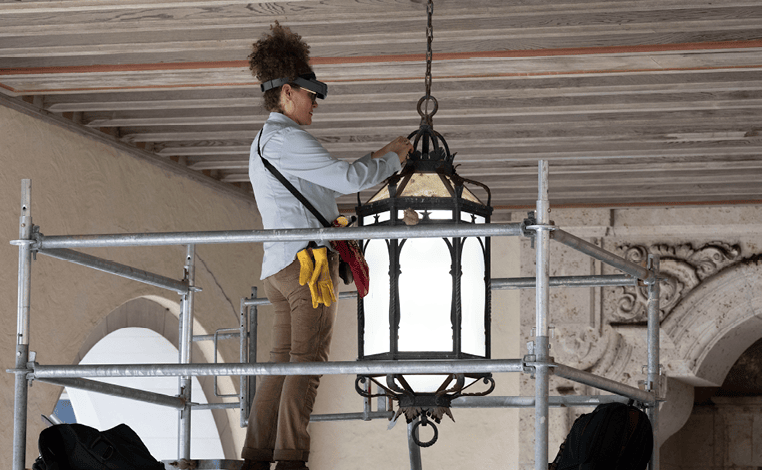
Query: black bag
{"x": 614, "y": 436}
{"x": 80, "y": 447}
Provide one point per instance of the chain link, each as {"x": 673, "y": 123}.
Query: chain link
{"x": 426, "y": 117}
{"x": 429, "y": 40}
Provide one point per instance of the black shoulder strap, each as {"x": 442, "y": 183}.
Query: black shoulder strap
{"x": 290, "y": 186}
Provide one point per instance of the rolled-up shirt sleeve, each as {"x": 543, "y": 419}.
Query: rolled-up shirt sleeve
{"x": 301, "y": 155}
{"x": 318, "y": 176}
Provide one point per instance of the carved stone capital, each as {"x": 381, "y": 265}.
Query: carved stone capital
{"x": 683, "y": 267}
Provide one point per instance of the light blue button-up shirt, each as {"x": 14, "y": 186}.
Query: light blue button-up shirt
{"x": 313, "y": 172}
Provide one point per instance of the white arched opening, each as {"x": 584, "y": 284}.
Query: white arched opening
{"x": 145, "y": 330}
{"x": 156, "y": 425}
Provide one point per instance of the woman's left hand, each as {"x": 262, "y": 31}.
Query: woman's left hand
{"x": 401, "y": 146}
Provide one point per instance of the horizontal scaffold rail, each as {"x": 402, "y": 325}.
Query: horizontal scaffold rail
{"x": 44, "y": 242}
{"x": 332, "y": 368}
{"x": 608, "y": 280}
{"x": 288, "y": 368}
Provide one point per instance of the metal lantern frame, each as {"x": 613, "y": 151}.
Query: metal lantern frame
{"x": 449, "y": 193}
{"x": 435, "y": 161}
{"x": 421, "y": 163}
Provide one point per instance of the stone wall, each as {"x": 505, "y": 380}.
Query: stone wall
{"x": 725, "y": 434}
{"x": 709, "y": 304}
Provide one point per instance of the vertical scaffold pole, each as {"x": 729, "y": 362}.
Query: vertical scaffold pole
{"x": 186, "y": 336}
{"x": 249, "y": 383}
{"x": 654, "y": 372}
{"x": 20, "y": 401}
{"x": 542, "y": 343}
{"x": 415, "y": 451}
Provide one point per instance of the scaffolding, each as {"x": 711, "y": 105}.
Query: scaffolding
{"x": 537, "y": 362}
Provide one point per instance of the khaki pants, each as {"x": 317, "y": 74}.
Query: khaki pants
{"x": 282, "y": 405}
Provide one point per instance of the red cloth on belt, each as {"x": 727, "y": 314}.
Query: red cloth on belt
{"x": 351, "y": 254}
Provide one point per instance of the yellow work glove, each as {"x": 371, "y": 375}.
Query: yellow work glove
{"x": 307, "y": 267}
{"x": 321, "y": 285}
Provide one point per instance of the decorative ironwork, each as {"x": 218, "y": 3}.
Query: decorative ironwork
{"x": 429, "y": 186}
{"x": 423, "y": 405}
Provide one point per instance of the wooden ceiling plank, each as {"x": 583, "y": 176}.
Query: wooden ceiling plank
{"x": 363, "y": 39}
{"x": 450, "y": 101}
{"x": 655, "y": 63}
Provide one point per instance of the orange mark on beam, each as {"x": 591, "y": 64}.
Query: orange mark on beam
{"x": 572, "y": 51}
{"x": 360, "y": 80}
{"x": 444, "y": 56}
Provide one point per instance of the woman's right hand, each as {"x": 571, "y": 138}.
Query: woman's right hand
{"x": 401, "y": 146}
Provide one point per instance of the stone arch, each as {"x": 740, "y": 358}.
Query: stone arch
{"x": 702, "y": 336}
{"x": 705, "y": 334}
{"x": 715, "y": 323}
{"x": 162, "y": 316}
{"x": 710, "y": 329}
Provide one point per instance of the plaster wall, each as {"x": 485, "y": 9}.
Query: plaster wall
{"x": 80, "y": 186}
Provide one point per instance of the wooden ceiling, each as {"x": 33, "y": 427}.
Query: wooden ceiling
{"x": 632, "y": 102}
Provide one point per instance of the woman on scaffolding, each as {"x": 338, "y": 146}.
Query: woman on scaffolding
{"x": 299, "y": 277}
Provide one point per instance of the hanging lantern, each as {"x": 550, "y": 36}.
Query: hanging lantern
{"x": 429, "y": 298}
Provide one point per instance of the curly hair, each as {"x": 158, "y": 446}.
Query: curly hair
{"x": 282, "y": 53}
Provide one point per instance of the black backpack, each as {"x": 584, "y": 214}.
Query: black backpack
{"x": 614, "y": 436}
{"x": 80, "y": 447}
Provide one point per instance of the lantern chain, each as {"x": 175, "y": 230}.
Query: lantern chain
{"x": 429, "y": 40}
{"x": 426, "y": 115}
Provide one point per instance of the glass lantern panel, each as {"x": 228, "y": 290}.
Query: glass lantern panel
{"x": 433, "y": 215}
{"x": 469, "y": 196}
{"x": 371, "y": 219}
{"x": 382, "y": 193}
{"x": 473, "y": 296}
{"x": 425, "y": 185}
{"x": 425, "y": 293}
{"x": 467, "y": 216}
{"x": 376, "y": 303}
{"x": 427, "y": 383}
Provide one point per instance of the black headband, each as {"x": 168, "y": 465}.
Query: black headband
{"x": 307, "y": 81}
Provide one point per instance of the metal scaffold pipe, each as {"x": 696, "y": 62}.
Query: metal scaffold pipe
{"x": 654, "y": 368}
{"x": 20, "y": 399}
{"x": 44, "y": 242}
{"x": 290, "y": 368}
{"x": 497, "y": 284}
{"x": 542, "y": 321}
{"x": 602, "y": 255}
{"x": 602, "y": 383}
{"x": 529, "y": 402}
{"x": 119, "y": 391}
{"x": 565, "y": 281}
{"x": 186, "y": 338}
{"x": 121, "y": 270}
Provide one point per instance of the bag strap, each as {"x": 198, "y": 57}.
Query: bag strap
{"x": 290, "y": 186}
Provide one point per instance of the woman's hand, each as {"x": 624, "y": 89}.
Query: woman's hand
{"x": 401, "y": 146}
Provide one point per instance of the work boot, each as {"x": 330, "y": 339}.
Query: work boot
{"x": 255, "y": 465}
{"x": 291, "y": 465}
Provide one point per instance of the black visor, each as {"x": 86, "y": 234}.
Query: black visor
{"x": 307, "y": 81}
